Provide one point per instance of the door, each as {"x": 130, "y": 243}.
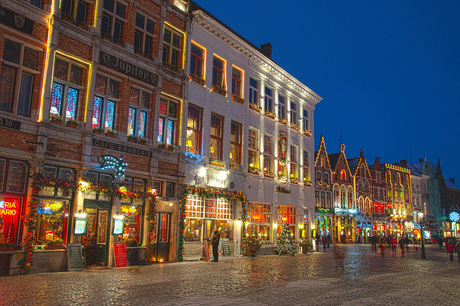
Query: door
{"x": 102, "y": 237}
{"x": 96, "y": 237}
{"x": 161, "y": 237}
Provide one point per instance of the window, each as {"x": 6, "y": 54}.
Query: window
{"x": 76, "y": 10}
{"x": 287, "y": 214}
{"x": 306, "y": 167}
{"x": 259, "y": 220}
{"x": 217, "y": 133}
{"x": 113, "y": 20}
{"x": 343, "y": 175}
{"x": 323, "y": 199}
{"x": 253, "y": 91}
{"x": 317, "y": 198}
{"x": 328, "y": 200}
{"x": 293, "y": 113}
{"x": 137, "y": 115}
{"x": 318, "y": 176}
{"x": 268, "y": 100}
{"x": 67, "y": 84}
{"x": 268, "y": 154}
{"x": 169, "y": 190}
{"x": 143, "y": 35}
{"x": 19, "y": 68}
{"x": 13, "y": 176}
{"x": 172, "y": 48}
{"x": 294, "y": 162}
{"x": 236, "y": 136}
{"x": 305, "y": 117}
{"x": 168, "y": 122}
{"x": 100, "y": 179}
{"x": 281, "y": 107}
{"x": 37, "y": 3}
{"x": 218, "y": 72}
{"x": 105, "y": 99}
{"x": 237, "y": 82}
{"x": 326, "y": 178}
{"x": 158, "y": 187}
{"x": 253, "y": 148}
{"x": 197, "y": 61}
{"x": 194, "y": 124}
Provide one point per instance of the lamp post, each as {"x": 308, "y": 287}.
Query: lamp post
{"x": 420, "y": 215}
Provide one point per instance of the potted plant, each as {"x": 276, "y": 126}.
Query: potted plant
{"x": 142, "y": 141}
{"x": 252, "y": 244}
{"x": 7, "y": 247}
{"x": 305, "y": 245}
{"x": 72, "y": 123}
{"x": 170, "y": 148}
{"x": 54, "y": 244}
{"x": 132, "y": 138}
{"x": 161, "y": 145}
{"x": 97, "y": 130}
{"x": 56, "y": 119}
{"x": 255, "y": 107}
{"x": 111, "y": 133}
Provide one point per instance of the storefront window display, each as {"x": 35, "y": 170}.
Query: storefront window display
{"x": 52, "y": 221}
{"x": 287, "y": 214}
{"x": 10, "y": 210}
{"x": 131, "y": 209}
{"x": 259, "y": 220}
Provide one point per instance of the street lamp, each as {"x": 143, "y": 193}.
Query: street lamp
{"x": 420, "y": 215}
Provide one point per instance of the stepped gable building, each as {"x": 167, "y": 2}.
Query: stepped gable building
{"x": 343, "y": 197}
{"x": 324, "y": 212}
{"x": 381, "y": 209}
{"x": 248, "y": 128}
{"x": 362, "y": 180}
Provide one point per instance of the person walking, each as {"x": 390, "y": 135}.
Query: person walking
{"x": 440, "y": 242}
{"x": 382, "y": 245}
{"x": 324, "y": 242}
{"x": 402, "y": 245}
{"x": 329, "y": 239}
{"x": 450, "y": 249}
{"x": 457, "y": 248}
{"x": 393, "y": 243}
{"x": 374, "y": 241}
{"x": 215, "y": 244}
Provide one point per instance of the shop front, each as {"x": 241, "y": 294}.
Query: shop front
{"x": 345, "y": 225}
{"x": 323, "y": 222}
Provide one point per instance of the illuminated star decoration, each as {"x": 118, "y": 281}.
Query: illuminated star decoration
{"x": 111, "y": 162}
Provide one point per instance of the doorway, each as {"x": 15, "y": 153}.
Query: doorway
{"x": 161, "y": 237}
{"x": 96, "y": 239}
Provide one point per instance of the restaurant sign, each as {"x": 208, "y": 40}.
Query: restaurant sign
{"x": 120, "y": 148}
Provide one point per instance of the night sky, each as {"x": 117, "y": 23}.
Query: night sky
{"x": 388, "y": 70}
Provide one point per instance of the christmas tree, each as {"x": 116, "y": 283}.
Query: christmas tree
{"x": 285, "y": 242}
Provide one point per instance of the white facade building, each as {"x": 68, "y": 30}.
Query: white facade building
{"x": 248, "y": 127}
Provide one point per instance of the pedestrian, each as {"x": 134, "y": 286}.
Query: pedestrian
{"x": 318, "y": 239}
{"x": 401, "y": 245}
{"x": 407, "y": 241}
{"x": 393, "y": 243}
{"x": 324, "y": 241}
{"x": 374, "y": 241}
{"x": 457, "y": 248}
{"x": 440, "y": 242}
{"x": 215, "y": 244}
{"x": 329, "y": 239}
{"x": 382, "y": 245}
{"x": 450, "y": 249}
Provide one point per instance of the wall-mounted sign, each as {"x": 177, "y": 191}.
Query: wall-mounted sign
{"x": 216, "y": 178}
{"x": 8, "y": 123}
{"x": 9, "y": 208}
{"x": 118, "y": 226}
{"x": 111, "y": 162}
{"x": 127, "y": 68}
{"x": 120, "y": 148}
{"x": 80, "y": 226}
{"x": 345, "y": 211}
{"x": 16, "y": 21}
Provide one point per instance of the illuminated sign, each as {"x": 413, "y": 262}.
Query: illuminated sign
{"x": 454, "y": 216}
{"x": 118, "y": 227}
{"x": 8, "y": 208}
{"x": 345, "y": 211}
{"x": 216, "y": 178}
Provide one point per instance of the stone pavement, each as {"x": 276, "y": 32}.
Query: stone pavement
{"x": 344, "y": 275}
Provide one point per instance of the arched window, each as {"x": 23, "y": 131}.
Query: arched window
{"x": 360, "y": 185}
{"x": 344, "y": 176}
{"x": 343, "y": 194}
{"x": 363, "y": 170}
{"x": 366, "y": 186}
{"x": 322, "y": 161}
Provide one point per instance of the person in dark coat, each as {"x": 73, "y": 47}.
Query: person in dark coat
{"x": 215, "y": 244}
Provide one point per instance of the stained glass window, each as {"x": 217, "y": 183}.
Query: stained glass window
{"x": 72, "y": 101}
{"x": 97, "y": 108}
{"x": 142, "y": 123}
{"x": 160, "y": 129}
{"x": 171, "y": 124}
{"x": 56, "y": 99}
{"x": 131, "y": 120}
{"x": 109, "y": 115}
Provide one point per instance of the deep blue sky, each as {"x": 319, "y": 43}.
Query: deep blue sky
{"x": 388, "y": 70}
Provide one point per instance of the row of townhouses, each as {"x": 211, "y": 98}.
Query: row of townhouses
{"x": 145, "y": 122}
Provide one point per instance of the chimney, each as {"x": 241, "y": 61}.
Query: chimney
{"x": 420, "y": 160}
{"x": 452, "y": 180}
{"x": 266, "y": 50}
{"x": 403, "y": 163}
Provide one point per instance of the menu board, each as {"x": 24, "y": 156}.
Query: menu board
{"x": 74, "y": 257}
{"x": 226, "y": 246}
{"x": 121, "y": 259}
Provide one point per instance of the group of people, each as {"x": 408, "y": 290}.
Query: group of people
{"x": 389, "y": 242}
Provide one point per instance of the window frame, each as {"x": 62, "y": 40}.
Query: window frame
{"x": 281, "y": 107}
{"x": 114, "y": 20}
{"x": 195, "y": 59}
{"x": 165, "y": 135}
{"x": 196, "y": 130}
{"x": 254, "y": 91}
{"x": 139, "y": 108}
{"x": 268, "y": 155}
{"x": 268, "y": 99}
{"x": 305, "y": 119}
{"x": 218, "y": 72}
{"x": 253, "y": 147}
{"x": 306, "y": 166}
{"x": 236, "y": 142}
{"x": 144, "y": 35}
{"x": 170, "y": 49}
{"x": 293, "y": 112}
{"x": 107, "y": 97}
{"x": 74, "y": 10}
{"x": 217, "y": 137}
{"x": 237, "y": 82}
{"x": 294, "y": 161}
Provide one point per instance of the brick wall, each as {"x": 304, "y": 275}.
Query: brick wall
{"x": 166, "y": 168}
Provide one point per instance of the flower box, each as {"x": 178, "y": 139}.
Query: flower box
{"x": 119, "y": 43}
{"x": 237, "y": 99}
{"x": 56, "y": 120}
{"x": 254, "y": 170}
{"x": 197, "y": 79}
{"x": 111, "y": 133}
{"x": 283, "y": 120}
{"x": 270, "y": 114}
{"x": 97, "y": 131}
{"x": 72, "y": 124}
{"x": 142, "y": 141}
{"x": 269, "y": 174}
{"x": 294, "y": 180}
{"x": 161, "y": 146}
{"x": 132, "y": 139}
{"x": 295, "y": 127}
{"x": 308, "y": 133}
{"x": 255, "y": 107}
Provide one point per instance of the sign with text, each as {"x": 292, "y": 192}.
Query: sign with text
{"x": 74, "y": 257}
{"x": 121, "y": 259}
{"x": 216, "y": 178}
{"x": 120, "y": 148}
{"x": 226, "y": 246}
{"x": 8, "y": 123}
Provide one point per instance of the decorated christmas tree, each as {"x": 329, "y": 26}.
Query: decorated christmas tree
{"x": 285, "y": 242}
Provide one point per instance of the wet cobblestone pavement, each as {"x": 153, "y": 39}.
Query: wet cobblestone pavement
{"x": 344, "y": 275}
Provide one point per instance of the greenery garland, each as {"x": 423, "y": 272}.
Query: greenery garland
{"x": 39, "y": 181}
{"x": 207, "y": 193}
{"x": 152, "y": 225}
